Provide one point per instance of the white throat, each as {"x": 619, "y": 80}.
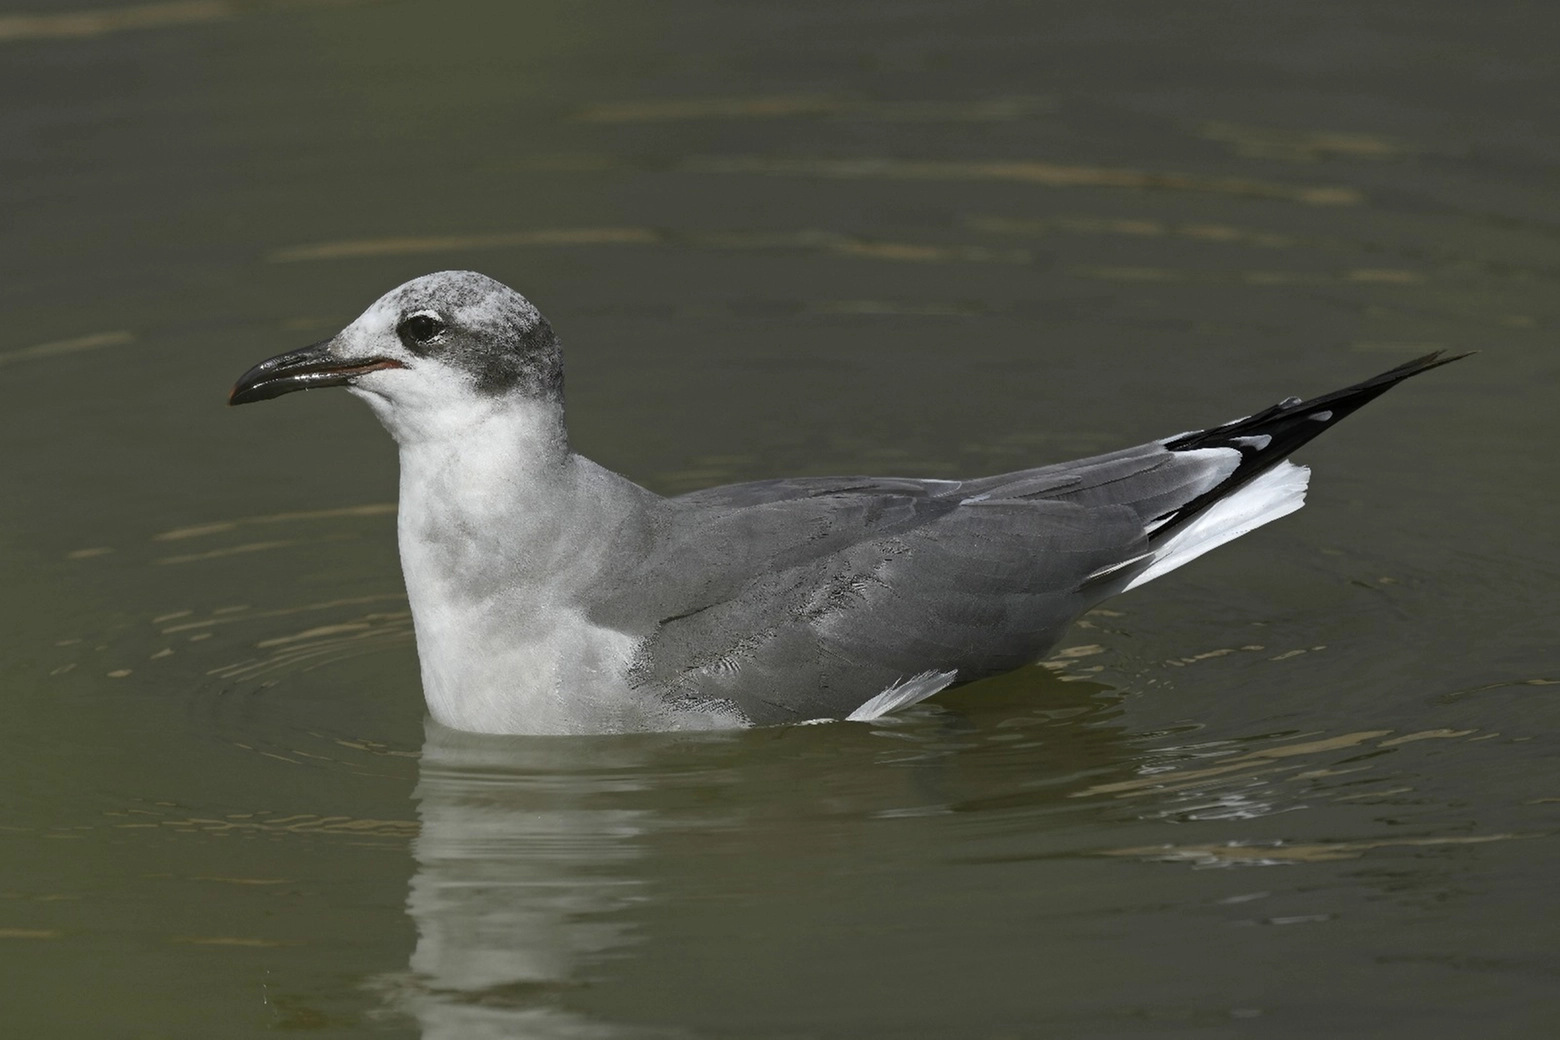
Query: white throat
{"x": 487, "y": 485}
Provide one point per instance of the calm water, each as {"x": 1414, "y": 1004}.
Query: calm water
{"x": 1306, "y": 787}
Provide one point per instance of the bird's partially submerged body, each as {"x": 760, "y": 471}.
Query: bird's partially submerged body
{"x": 551, "y": 595}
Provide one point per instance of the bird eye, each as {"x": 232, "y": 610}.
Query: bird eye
{"x": 420, "y": 329}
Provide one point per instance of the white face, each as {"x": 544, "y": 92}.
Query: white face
{"x": 422, "y": 396}
{"x": 431, "y": 357}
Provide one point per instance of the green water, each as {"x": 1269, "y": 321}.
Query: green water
{"x": 1306, "y": 787}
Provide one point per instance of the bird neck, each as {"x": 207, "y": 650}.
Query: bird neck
{"x": 500, "y": 506}
{"x": 473, "y": 481}
{"x": 485, "y": 444}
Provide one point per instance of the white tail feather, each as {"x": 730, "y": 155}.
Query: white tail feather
{"x": 1278, "y": 492}
{"x": 902, "y": 694}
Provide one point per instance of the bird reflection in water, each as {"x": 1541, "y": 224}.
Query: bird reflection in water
{"x": 546, "y": 866}
{"x": 524, "y": 868}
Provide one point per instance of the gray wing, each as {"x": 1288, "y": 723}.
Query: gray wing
{"x": 804, "y": 598}
{"x": 798, "y": 599}
{"x": 1149, "y": 478}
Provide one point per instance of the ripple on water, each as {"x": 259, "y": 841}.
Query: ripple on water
{"x": 307, "y": 671}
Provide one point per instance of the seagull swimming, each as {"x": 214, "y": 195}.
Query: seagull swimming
{"x": 551, "y": 595}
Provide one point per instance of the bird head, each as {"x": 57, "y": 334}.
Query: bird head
{"x": 430, "y": 357}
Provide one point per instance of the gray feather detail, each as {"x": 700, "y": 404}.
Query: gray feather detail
{"x": 808, "y": 607}
{"x": 805, "y": 598}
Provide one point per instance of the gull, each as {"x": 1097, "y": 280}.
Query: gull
{"x": 551, "y": 595}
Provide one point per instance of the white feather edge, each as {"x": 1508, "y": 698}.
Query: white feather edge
{"x": 1278, "y": 492}
{"x": 902, "y": 694}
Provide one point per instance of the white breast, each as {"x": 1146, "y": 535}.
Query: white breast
{"x": 497, "y": 667}
{"x": 500, "y": 550}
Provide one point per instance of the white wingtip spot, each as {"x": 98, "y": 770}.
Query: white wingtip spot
{"x": 902, "y": 695}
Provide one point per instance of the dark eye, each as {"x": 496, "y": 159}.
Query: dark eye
{"x": 420, "y": 329}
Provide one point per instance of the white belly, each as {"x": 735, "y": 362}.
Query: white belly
{"x": 487, "y": 669}
{"x": 491, "y": 670}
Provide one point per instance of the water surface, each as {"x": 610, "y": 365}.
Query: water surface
{"x": 1304, "y": 787}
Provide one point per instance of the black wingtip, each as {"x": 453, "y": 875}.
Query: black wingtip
{"x": 1271, "y": 435}
{"x": 1340, "y": 403}
{"x": 1366, "y": 390}
{"x": 1424, "y": 363}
